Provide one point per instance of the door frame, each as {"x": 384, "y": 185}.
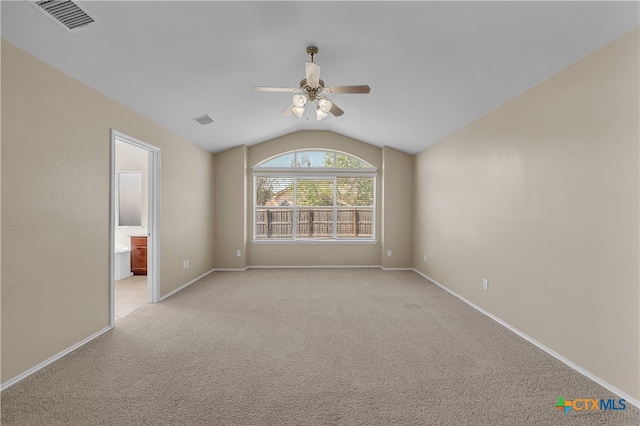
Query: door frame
{"x": 153, "y": 225}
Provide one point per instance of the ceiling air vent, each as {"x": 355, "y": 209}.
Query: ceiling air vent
{"x": 67, "y": 14}
{"x": 204, "y": 119}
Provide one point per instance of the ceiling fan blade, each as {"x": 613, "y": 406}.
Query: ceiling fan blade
{"x": 313, "y": 73}
{"x": 336, "y": 111}
{"x": 287, "y": 112}
{"x": 348, "y": 89}
{"x": 275, "y": 89}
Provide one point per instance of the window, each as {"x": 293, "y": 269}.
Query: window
{"x": 129, "y": 199}
{"x": 314, "y": 196}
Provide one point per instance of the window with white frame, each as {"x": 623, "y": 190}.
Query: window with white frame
{"x": 314, "y": 195}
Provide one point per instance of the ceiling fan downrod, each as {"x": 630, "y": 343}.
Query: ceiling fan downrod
{"x": 312, "y": 51}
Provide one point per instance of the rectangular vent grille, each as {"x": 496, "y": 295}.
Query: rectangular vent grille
{"x": 66, "y": 13}
{"x": 204, "y": 119}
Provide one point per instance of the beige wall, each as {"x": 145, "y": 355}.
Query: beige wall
{"x": 187, "y": 212}
{"x": 231, "y": 190}
{"x": 55, "y": 208}
{"x": 397, "y": 215}
{"x": 541, "y": 197}
{"x": 312, "y": 254}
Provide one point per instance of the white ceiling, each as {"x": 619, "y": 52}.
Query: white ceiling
{"x": 433, "y": 67}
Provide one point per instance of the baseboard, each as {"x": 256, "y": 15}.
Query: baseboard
{"x": 56, "y": 357}
{"x": 548, "y": 350}
{"x": 230, "y": 269}
{"x": 171, "y": 293}
{"x": 312, "y": 266}
{"x": 307, "y": 267}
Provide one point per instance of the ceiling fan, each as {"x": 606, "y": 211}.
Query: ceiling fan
{"x": 312, "y": 89}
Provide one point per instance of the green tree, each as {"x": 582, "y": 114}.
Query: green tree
{"x": 264, "y": 190}
{"x": 355, "y": 191}
{"x": 342, "y": 161}
{"x": 314, "y": 192}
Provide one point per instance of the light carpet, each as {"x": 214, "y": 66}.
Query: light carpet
{"x": 307, "y": 347}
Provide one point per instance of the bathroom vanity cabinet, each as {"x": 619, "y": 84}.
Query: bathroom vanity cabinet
{"x": 139, "y": 255}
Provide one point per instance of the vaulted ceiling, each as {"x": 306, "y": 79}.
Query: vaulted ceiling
{"x": 433, "y": 67}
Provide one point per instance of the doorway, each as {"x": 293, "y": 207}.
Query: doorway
{"x": 134, "y": 221}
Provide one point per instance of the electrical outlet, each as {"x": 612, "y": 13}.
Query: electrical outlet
{"x": 425, "y": 258}
{"x": 238, "y": 253}
{"x": 187, "y": 264}
{"x": 184, "y": 264}
{"x": 485, "y": 284}
{"x": 388, "y": 252}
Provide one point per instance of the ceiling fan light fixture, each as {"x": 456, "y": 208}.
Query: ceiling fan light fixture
{"x": 312, "y": 90}
{"x": 298, "y": 111}
{"x": 320, "y": 115}
{"x": 299, "y": 100}
{"x": 325, "y": 105}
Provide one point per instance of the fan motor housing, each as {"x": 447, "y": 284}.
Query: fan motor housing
{"x": 311, "y": 91}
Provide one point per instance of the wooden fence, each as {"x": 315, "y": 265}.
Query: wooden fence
{"x": 315, "y": 222}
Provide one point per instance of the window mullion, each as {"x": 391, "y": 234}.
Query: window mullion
{"x": 294, "y": 212}
{"x": 335, "y": 208}
{"x": 373, "y": 214}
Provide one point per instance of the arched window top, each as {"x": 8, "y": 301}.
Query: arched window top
{"x": 314, "y": 159}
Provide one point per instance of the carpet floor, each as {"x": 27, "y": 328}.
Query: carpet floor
{"x": 307, "y": 347}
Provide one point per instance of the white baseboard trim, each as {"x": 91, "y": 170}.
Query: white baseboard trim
{"x": 171, "y": 293}
{"x": 56, "y": 357}
{"x": 308, "y": 267}
{"x": 396, "y": 269}
{"x": 548, "y": 350}
{"x": 312, "y": 266}
{"x": 231, "y": 269}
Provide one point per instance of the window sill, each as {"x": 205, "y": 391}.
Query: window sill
{"x": 340, "y": 241}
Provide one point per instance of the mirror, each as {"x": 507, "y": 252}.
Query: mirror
{"x": 129, "y": 199}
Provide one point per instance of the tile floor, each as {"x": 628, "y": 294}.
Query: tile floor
{"x": 130, "y": 294}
